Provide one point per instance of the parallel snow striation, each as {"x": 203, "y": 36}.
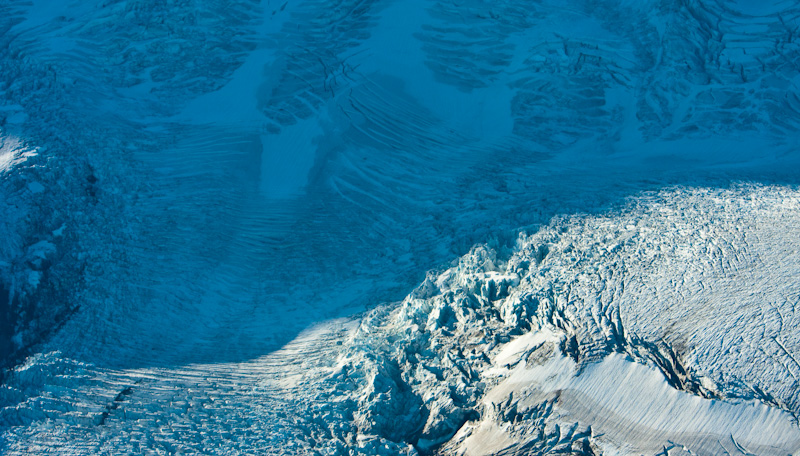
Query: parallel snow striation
{"x": 190, "y": 185}
{"x": 418, "y": 130}
{"x": 583, "y": 337}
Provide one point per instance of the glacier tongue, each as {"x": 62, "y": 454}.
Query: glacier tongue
{"x": 583, "y": 337}
{"x": 209, "y": 210}
{"x": 586, "y": 337}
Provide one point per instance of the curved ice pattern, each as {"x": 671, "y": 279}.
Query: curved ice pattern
{"x": 195, "y": 183}
{"x": 546, "y": 346}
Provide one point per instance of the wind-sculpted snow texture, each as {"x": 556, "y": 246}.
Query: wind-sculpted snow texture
{"x": 211, "y": 211}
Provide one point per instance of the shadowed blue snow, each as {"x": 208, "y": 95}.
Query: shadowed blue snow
{"x": 212, "y": 178}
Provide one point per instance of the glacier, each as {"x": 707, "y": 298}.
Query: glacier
{"x": 399, "y": 227}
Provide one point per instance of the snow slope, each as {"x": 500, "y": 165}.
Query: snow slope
{"x": 200, "y": 200}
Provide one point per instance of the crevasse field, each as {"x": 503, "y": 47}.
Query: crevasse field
{"x": 400, "y": 227}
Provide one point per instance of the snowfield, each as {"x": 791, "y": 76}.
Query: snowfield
{"x": 422, "y": 227}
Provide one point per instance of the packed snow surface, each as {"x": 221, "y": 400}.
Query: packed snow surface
{"x": 470, "y": 227}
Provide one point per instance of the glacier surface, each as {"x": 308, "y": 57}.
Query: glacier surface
{"x": 399, "y": 227}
